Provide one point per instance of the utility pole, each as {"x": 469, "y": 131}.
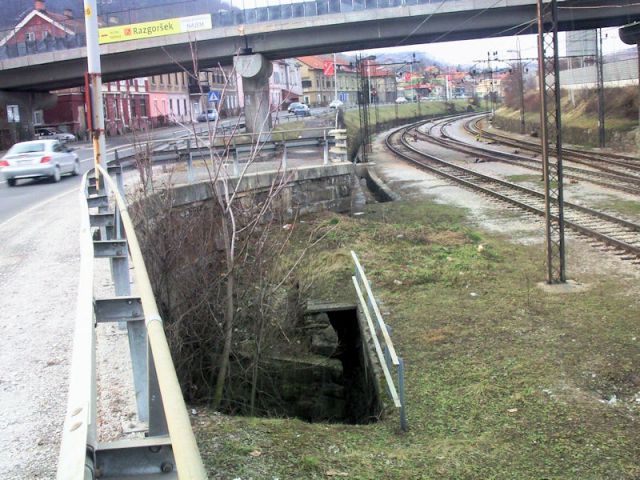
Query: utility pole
{"x": 600, "y": 75}
{"x": 550, "y": 133}
{"x": 413, "y": 59}
{"x": 491, "y": 93}
{"x": 93, "y": 88}
{"x": 521, "y": 85}
{"x": 335, "y": 78}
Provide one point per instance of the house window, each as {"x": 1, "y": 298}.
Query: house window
{"x": 45, "y": 34}
{"x": 143, "y": 107}
{"x": 171, "y": 105}
{"x": 178, "y": 104}
{"x": 30, "y": 37}
{"x": 38, "y": 117}
{"x": 185, "y": 105}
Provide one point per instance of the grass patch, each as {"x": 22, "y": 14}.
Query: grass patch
{"x": 629, "y": 207}
{"x": 503, "y": 380}
{"x": 525, "y": 177}
{"x": 287, "y": 131}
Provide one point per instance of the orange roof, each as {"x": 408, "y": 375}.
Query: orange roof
{"x": 317, "y": 61}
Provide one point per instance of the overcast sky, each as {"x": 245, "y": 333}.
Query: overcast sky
{"x": 469, "y": 52}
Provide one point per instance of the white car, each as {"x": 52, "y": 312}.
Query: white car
{"x": 39, "y": 158}
{"x": 48, "y": 133}
{"x": 336, "y": 104}
{"x": 402, "y": 100}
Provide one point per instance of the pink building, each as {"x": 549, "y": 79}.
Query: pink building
{"x": 169, "y": 99}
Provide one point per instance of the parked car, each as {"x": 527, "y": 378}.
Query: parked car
{"x": 402, "y": 100}
{"x": 39, "y": 158}
{"x": 302, "y": 110}
{"x": 293, "y": 106}
{"x": 211, "y": 115}
{"x": 336, "y": 104}
{"x": 49, "y": 133}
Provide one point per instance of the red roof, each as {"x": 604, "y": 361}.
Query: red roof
{"x": 317, "y": 61}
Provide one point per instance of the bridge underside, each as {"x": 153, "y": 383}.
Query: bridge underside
{"x": 306, "y": 36}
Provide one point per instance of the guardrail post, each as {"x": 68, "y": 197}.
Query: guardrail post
{"x": 403, "y": 412}
{"x": 236, "y": 167}
{"x": 189, "y": 162}
{"x": 136, "y": 331}
{"x": 157, "y": 419}
{"x": 284, "y": 156}
{"x": 325, "y": 149}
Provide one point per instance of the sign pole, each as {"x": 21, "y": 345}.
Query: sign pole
{"x": 335, "y": 78}
{"x": 94, "y": 84}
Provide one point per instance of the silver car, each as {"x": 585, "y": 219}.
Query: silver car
{"x": 40, "y": 158}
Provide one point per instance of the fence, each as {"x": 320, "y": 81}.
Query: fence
{"x": 169, "y": 447}
{"x": 389, "y": 360}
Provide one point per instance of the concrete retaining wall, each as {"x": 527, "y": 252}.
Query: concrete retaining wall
{"x": 306, "y": 190}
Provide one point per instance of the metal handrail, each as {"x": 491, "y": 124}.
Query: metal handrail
{"x": 385, "y": 351}
{"x": 79, "y": 431}
{"x": 185, "y": 449}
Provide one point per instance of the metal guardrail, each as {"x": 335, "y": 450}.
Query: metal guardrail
{"x": 182, "y": 150}
{"x": 387, "y": 357}
{"x": 170, "y": 447}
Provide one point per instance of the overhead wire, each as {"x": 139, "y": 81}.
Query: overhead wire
{"x": 421, "y": 24}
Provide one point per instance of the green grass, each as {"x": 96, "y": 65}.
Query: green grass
{"x": 525, "y": 177}
{"x": 505, "y": 383}
{"x": 287, "y": 131}
{"x": 629, "y": 207}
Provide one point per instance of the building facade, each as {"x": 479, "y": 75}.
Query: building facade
{"x": 169, "y": 99}
{"x": 285, "y": 84}
{"x": 219, "y": 88}
{"x": 39, "y": 30}
{"x": 320, "y": 89}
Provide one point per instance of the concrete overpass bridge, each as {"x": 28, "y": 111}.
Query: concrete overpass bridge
{"x": 366, "y": 25}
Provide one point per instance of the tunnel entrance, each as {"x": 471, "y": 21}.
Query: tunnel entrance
{"x": 328, "y": 379}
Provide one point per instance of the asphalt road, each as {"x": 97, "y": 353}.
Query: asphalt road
{"x": 32, "y": 193}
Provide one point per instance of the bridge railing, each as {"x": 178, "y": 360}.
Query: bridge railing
{"x": 234, "y": 13}
{"x": 169, "y": 447}
{"x": 392, "y": 365}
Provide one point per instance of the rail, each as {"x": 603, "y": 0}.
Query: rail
{"x": 170, "y": 447}
{"x": 385, "y": 351}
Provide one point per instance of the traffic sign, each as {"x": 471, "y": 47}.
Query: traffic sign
{"x": 328, "y": 68}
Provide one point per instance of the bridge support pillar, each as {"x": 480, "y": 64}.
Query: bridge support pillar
{"x": 255, "y": 71}
{"x": 17, "y": 114}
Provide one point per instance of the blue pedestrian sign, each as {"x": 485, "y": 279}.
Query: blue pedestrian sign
{"x": 213, "y": 96}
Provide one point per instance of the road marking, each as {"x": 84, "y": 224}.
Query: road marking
{"x": 38, "y": 205}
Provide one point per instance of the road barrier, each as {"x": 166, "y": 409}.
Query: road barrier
{"x": 387, "y": 357}
{"x": 196, "y": 147}
{"x": 169, "y": 448}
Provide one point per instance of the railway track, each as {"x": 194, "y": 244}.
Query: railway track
{"x": 621, "y": 235}
{"x": 607, "y": 162}
{"x": 626, "y": 181}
